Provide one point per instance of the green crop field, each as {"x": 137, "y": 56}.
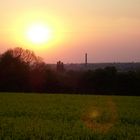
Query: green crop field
{"x": 69, "y": 117}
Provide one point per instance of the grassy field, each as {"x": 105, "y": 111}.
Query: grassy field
{"x": 69, "y": 117}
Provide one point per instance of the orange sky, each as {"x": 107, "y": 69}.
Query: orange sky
{"x": 108, "y": 30}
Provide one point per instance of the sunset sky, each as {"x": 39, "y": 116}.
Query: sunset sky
{"x": 108, "y": 30}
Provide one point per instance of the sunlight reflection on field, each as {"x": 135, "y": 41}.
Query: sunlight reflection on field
{"x": 100, "y": 120}
{"x": 94, "y": 114}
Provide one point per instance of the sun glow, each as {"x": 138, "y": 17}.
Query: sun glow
{"x": 38, "y": 33}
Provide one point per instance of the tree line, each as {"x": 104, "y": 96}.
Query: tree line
{"x": 22, "y": 71}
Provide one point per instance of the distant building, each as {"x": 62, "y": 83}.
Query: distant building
{"x": 86, "y": 59}
{"x": 60, "y": 66}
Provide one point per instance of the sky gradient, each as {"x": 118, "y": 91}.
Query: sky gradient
{"x": 108, "y": 30}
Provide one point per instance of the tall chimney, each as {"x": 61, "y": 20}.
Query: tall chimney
{"x": 86, "y": 59}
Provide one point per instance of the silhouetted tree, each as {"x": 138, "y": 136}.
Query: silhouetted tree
{"x": 22, "y": 71}
{"x": 13, "y": 73}
{"x": 25, "y": 55}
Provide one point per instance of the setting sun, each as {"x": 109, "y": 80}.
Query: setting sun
{"x": 38, "y": 33}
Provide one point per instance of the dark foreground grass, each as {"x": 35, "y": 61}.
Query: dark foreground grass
{"x": 69, "y": 117}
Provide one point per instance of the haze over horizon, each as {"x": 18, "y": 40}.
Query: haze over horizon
{"x": 109, "y": 31}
